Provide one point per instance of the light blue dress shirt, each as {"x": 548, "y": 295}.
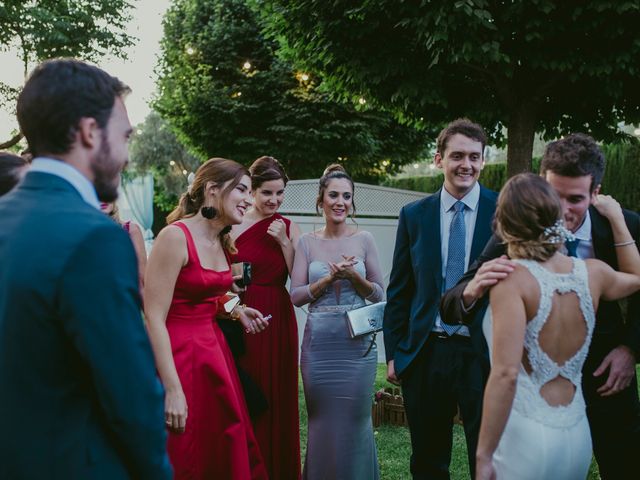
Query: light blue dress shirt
{"x": 447, "y": 211}
{"x": 65, "y": 171}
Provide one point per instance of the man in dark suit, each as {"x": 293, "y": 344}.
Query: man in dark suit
{"x": 80, "y": 395}
{"x": 574, "y": 166}
{"x": 440, "y": 368}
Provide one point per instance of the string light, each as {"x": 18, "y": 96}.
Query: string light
{"x": 172, "y": 163}
{"x": 184, "y": 172}
{"x": 362, "y": 101}
{"x": 246, "y": 65}
{"x": 190, "y": 51}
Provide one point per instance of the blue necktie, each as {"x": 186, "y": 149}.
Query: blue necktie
{"x": 455, "y": 256}
{"x": 572, "y": 247}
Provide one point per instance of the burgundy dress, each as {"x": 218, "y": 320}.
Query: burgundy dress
{"x": 218, "y": 442}
{"x": 271, "y": 357}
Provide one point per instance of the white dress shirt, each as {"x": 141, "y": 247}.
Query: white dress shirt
{"x": 585, "y": 246}
{"x": 65, "y": 171}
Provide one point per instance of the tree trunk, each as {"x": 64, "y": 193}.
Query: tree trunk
{"x": 520, "y": 133}
{"x": 12, "y": 142}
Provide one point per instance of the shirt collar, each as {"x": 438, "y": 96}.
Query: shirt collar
{"x": 65, "y": 171}
{"x": 584, "y": 231}
{"x": 470, "y": 200}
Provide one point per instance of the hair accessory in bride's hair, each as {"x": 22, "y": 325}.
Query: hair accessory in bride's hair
{"x": 190, "y": 178}
{"x": 557, "y": 233}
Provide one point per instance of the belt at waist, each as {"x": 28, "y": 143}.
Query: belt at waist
{"x": 334, "y": 308}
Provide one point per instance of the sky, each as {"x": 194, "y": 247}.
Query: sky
{"x": 137, "y": 71}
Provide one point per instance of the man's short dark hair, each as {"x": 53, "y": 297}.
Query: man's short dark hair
{"x": 576, "y": 155}
{"x": 57, "y": 95}
{"x": 465, "y": 127}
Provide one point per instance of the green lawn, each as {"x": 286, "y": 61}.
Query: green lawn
{"x": 394, "y": 447}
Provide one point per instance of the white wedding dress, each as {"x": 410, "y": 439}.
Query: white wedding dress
{"x": 541, "y": 441}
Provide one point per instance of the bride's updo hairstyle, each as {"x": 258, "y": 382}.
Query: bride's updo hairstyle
{"x": 218, "y": 171}
{"x": 265, "y": 169}
{"x": 334, "y": 171}
{"x": 528, "y": 218}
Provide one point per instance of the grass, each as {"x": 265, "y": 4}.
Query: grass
{"x": 394, "y": 446}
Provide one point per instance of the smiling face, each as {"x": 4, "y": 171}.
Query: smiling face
{"x": 268, "y": 197}
{"x": 461, "y": 163}
{"x": 575, "y": 195}
{"x": 236, "y": 202}
{"x": 337, "y": 200}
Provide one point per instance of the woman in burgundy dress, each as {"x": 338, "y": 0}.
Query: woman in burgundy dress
{"x": 266, "y": 239}
{"x": 210, "y": 434}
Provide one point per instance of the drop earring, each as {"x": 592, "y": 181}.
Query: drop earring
{"x": 209, "y": 212}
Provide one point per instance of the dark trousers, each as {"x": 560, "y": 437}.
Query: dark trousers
{"x": 614, "y": 420}
{"x": 446, "y": 373}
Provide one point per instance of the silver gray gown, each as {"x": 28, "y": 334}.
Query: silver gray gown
{"x": 337, "y": 377}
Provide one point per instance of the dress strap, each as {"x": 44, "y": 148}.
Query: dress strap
{"x": 191, "y": 246}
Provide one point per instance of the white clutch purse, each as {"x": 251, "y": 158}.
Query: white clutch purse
{"x": 365, "y": 320}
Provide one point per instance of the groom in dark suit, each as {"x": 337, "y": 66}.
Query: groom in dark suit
{"x": 79, "y": 393}
{"x": 574, "y": 166}
{"x": 439, "y": 367}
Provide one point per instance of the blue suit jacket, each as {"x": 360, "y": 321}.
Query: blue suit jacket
{"x": 415, "y": 286}
{"x": 79, "y": 392}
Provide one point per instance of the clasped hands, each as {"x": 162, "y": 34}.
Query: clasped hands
{"x": 343, "y": 270}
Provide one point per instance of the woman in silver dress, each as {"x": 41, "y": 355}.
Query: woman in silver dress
{"x": 336, "y": 269}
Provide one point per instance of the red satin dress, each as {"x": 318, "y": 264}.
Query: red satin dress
{"x": 271, "y": 357}
{"x": 218, "y": 442}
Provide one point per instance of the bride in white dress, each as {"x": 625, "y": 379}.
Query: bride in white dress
{"x": 538, "y": 329}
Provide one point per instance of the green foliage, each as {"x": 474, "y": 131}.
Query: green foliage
{"x": 155, "y": 148}
{"x": 227, "y": 93}
{"x": 36, "y": 30}
{"x": 623, "y": 173}
{"x": 546, "y": 66}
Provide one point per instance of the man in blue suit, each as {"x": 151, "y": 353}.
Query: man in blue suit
{"x": 80, "y": 396}
{"x": 440, "y": 367}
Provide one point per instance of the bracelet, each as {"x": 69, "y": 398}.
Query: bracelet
{"x": 624, "y": 244}
{"x": 235, "y": 314}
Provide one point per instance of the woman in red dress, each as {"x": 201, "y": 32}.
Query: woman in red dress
{"x": 210, "y": 434}
{"x": 266, "y": 239}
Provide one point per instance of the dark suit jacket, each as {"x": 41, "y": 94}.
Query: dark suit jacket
{"x": 80, "y": 396}
{"x": 610, "y": 330}
{"x": 415, "y": 286}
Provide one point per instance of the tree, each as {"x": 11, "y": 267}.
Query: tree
{"x": 531, "y": 65}
{"x": 156, "y": 149}
{"x": 39, "y": 29}
{"x": 226, "y": 92}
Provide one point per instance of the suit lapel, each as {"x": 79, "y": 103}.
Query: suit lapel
{"x": 483, "y": 228}
{"x": 602, "y": 238}
{"x": 430, "y": 224}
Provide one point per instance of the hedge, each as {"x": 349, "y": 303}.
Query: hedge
{"x": 621, "y": 179}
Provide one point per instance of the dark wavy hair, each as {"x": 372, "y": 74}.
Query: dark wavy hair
{"x": 576, "y": 155}
{"x": 463, "y": 126}
{"x": 265, "y": 169}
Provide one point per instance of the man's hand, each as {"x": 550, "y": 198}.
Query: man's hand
{"x": 621, "y": 364}
{"x": 391, "y": 373}
{"x": 488, "y": 275}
